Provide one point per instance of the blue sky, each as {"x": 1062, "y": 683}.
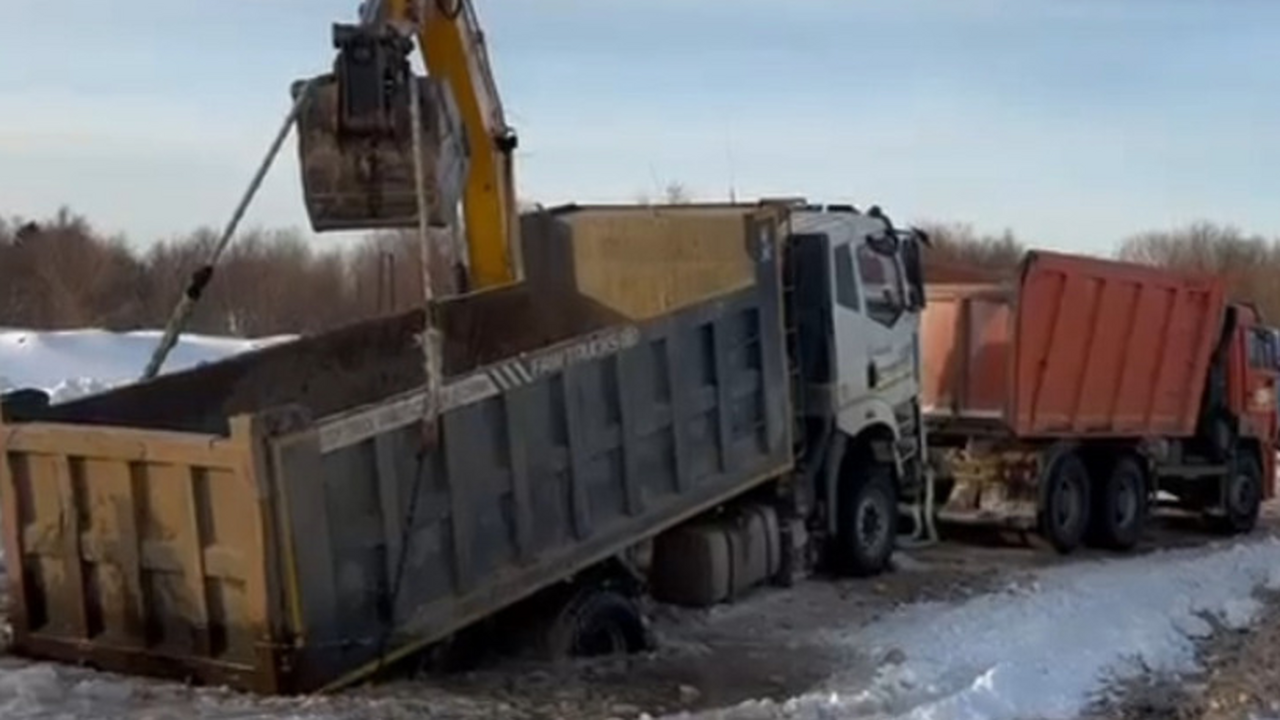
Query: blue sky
{"x": 1073, "y": 122}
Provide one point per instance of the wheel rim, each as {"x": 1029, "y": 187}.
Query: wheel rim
{"x": 1069, "y": 505}
{"x": 870, "y": 523}
{"x": 1126, "y": 505}
{"x": 1242, "y": 493}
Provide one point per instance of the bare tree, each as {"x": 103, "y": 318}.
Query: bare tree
{"x": 675, "y": 193}
{"x": 958, "y": 253}
{"x": 60, "y": 272}
{"x": 1248, "y": 262}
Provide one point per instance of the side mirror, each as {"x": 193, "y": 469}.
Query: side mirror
{"x": 913, "y": 264}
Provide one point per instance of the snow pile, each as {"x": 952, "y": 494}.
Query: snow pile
{"x": 74, "y": 363}
{"x": 1041, "y": 650}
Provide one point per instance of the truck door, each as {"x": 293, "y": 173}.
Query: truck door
{"x": 875, "y": 331}
{"x": 1257, "y": 383}
{"x": 1254, "y": 391}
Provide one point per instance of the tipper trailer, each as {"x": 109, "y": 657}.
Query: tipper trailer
{"x": 695, "y": 399}
{"x": 1064, "y": 401}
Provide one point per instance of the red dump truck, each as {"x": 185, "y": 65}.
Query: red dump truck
{"x": 1064, "y": 401}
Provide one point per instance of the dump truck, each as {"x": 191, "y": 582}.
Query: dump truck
{"x": 689, "y": 400}
{"x": 1065, "y": 401}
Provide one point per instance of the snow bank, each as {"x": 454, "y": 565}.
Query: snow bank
{"x": 1045, "y": 649}
{"x": 74, "y": 363}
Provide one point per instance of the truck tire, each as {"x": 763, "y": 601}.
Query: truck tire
{"x": 1119, "y": 513}
{"x": 464, "y": 651}
{"x": 1065, "y": 515}
{"x": 1244, "y": 497}
{"x": 594, "y": 622}
{"x": 867, "y": 521}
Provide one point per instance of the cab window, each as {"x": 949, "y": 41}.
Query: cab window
{"x": 881, "y": 285}
{"x": 846, "y": 283}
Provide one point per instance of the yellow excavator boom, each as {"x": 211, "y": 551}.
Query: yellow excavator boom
{"x": 453, "y": 49}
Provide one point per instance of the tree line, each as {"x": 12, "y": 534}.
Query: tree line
{"x": 61, "y": 272}
{"x": 1249, "y": 262}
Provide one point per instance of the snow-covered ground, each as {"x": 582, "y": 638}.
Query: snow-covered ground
{"x": 73, "y": 363}
{"x": 1043, "y": 648}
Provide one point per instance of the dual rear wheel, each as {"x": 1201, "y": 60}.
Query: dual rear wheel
{"x": 1106, "y": 503}
{"x": 1103, "y": 506}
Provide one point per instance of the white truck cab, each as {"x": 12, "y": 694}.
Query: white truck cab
{"x": 856, "y": 295}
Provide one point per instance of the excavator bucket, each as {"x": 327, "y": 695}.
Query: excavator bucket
{"x": 356, "y": 145}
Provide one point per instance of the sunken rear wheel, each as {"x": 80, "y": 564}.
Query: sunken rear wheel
{"x": 1120, "y": 508}
{"x": 1243, "y": 497}
{"x": 596, "y": 622}
{"x": 867, "y": 521}
{"x": 1064, "y": 516}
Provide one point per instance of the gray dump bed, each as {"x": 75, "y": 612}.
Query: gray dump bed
{"x": 549, "y": 461}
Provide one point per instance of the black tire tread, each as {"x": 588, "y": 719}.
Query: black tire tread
{"x": 1233, "y": 523}
{"x": 1067, "y": 542}
{"x": 1103, "y": 532}
{"x": 850, "y": 559}
{"x": 561, "y": 632}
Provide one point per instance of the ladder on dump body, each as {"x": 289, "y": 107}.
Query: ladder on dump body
{"x": 791, "y": 336}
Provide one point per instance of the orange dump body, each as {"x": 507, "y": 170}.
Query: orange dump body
{"x": 965, "y": 333}
{"x": 1076, "y": 347}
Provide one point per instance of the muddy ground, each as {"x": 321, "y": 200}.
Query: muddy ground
{"x": 769, "y": 645}
{"x": 1240, "y": 679}
{"x": 761, "y": 646}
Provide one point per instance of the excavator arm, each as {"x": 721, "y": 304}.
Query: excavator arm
{"x": 355, "y": 141}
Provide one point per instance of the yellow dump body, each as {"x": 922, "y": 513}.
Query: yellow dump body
{"x": 642, "y": 262}
{"x": 148, "y": 545}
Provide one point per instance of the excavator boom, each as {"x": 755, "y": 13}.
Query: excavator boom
{"x": 355, "y": 141}
{"x": 453, "y": 48}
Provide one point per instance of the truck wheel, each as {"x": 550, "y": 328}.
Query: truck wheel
{"x": 1065, "y": 514}
{"x": 867, "y": 521}
{"x": 1244, "y": 497}
{"x": 596, "y": 622}
{"x": 1120, "y": 507}
{"x": 461, "y": 652}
